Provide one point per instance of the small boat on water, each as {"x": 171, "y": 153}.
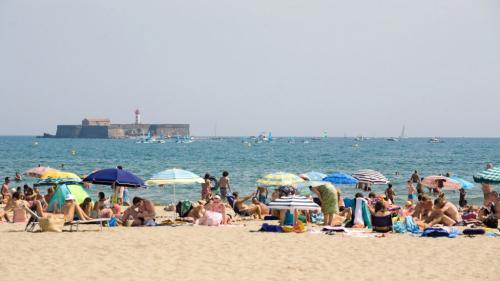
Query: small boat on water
{"x": 435, "y": 140}
{"x": 359, "y": 138}
{"x": 392, "y": 139}
{"x": 150, "y": 139}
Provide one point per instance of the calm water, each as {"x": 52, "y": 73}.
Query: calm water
{"x": 462, "y": 157}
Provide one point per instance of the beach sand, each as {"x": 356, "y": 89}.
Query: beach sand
{"x": 237, "y": 253}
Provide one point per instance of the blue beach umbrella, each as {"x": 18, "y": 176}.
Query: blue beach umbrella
{"x": 340, "y": 178}
{"x": 174, "y": 177}
{"x": 116, "y": 176}
{"x": 465, "y": 184}
{"x": 313, "y": 176}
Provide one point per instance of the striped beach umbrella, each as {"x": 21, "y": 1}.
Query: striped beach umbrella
{"x": 488, "y": 176}
{"x": 57, "y": 177}
{"x": 279, "y": 179}
{"x": 340, "y": 178}
{"x": 293, "y": 203}
{"x": 174, "y": 177}
{"x": 37, "y": 172}
{"x": 370, "y": 176}
{"x": 312, "y": 176}
{"x": 465, "y": 184}
{"x": 441, "y": 182}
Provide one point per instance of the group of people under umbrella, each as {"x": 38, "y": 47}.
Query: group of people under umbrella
{"x": 320, "y": 185}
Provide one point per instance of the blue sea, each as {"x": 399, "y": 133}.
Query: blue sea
{"x": 459, "y": 156}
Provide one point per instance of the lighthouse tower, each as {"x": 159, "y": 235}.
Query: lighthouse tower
{"x": 137, "y": 117}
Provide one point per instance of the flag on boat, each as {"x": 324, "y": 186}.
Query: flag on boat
{"x": 370, "y": 176}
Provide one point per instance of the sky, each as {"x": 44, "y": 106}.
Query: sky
{"x": 296, "y": 68}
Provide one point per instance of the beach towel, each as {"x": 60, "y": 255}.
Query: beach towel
{"x": 410, "y": 225}
{"x": 270, "y": 228}
{"x": 451, "y": 232}
{"x": 399, "y": 227}
{"x": 361, "y": 213}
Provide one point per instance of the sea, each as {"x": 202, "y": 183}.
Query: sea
{"x": 247, "y": 162}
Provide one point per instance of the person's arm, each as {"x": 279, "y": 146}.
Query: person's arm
{"x": 228, "y": 186}
{"x": 267, "y": 192}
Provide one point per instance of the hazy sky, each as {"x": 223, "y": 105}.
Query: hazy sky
{"x": 290, "y": 67}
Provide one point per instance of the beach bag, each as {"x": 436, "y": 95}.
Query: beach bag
{"x": 435, "y": 232}
{"x": 183, "y": 208}
{"x": 474, "y": 231}
{"x": 491, "y": 221}
{"x": 52, "y": 224}
{"x": 270, "y": 228}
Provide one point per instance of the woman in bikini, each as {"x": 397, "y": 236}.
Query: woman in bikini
{"x": 16, "y": 205}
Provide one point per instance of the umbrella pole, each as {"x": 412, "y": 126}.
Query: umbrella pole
{"x": 175, "y": 211}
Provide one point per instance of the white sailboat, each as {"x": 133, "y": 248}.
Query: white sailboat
{"x": 403, "y": 134}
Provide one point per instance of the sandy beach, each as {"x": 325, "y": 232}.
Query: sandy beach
{"x": 237, "y": 252}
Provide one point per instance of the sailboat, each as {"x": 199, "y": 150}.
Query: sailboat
{"x": 403, "y": 134}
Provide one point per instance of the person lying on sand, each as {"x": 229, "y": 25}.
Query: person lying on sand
{"x": 70, "y": 211}
{"x": 242, "y": 208}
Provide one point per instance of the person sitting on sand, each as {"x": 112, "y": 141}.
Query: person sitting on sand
{"x": 264, "y": 210}
{"x": 87, "y": 206}
{"x": 16, "y": 205}
{"x": 101, "y": 203}
{"x": 243, "y": 209}
{"x": 5, "y": 190}
{"x": 343, "y": 211}
{"x": 216, "y": 205}
{"x": 408, "y": 209}
{"x": 146, "y": 212}
{"x": 381, "y": 211}
{"x": 444, "y": 212}
{"x": 329, "y": 202}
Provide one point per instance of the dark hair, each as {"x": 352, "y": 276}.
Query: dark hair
{"x": 16, "y": 195}
{"x": 409, "y": 181}
{"x": 371, "y": 195}
{"x": 7, "y": 179}
{"x": 416, "y": 172}
{"x": 235, "y": 194}
{"x": 389, "y": 185}
{"x": 379, "y": 206}
{"x": 101, "y": 195}
{"x": 119, "y": 167}
{"x": 358, "y": 195}
{"x": 419, "y": 197}
{"x": 207, "y": 176}
{"x": 137, "y": 200}
{"x": 225, "y": 174}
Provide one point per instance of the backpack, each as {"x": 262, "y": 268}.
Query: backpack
{"x": 183, "y": 208}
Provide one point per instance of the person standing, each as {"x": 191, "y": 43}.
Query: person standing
{"x": 329, "y": 202}
{"x": 410, "y": 189}
{"x": 389, "y": 193}
{"x": 206, "y": 188}
{"x": 224, "y": 185}
{"x": 5, "y": 190}
{"x": 415, "y": 177}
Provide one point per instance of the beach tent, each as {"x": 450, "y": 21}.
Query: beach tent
{"x": 488, "y": 176}
{"x": 340, "y": 178}
{"x": 370, "y": 176}
{"x": 57, "y": 200}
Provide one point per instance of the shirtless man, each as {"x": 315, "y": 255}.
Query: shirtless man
{"x": 264, "y": 210}
{"x": 444, "y": 213}
{"x": 239, "y": 204}
{"x": 487, "y": 189}
{"x": 261, "y": 194}
{"x": 224, "y": 185}
{"x": 423, "y": 208}
{"x": 5, "y": 190}
{"x": 142, "y": 212}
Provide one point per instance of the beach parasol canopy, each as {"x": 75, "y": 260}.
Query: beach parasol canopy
{"x": 37, "y": 172}
{"x": 465, "y": 184}
{"x": 488, "y": 176}
{"x": 116, "y": 176}
{"x": 293, "y": 203}
{"x": 441, "y": 182}
{"x": 279, "y": 179}
{"x": 370, "y": 176}
{"x": 56, "y": 177}
{"x": 57, "y": 200}
{"x": 340, "y": 178}
{"x": 174, "y": 177}
{"x": 312, "y": 176}
{"x": 303, "y": 186}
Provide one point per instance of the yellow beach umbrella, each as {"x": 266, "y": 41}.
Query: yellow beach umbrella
{"x": 56, "y": 177}
{"x": 279, "y": 179}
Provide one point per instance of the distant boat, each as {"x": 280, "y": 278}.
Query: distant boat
{"x": 435, "y": 140}
{"x": 359, "y": 138}
{"x": 149, "y": 139}
{"x": 403, "y": 134}
{"x": 392, "y": 139}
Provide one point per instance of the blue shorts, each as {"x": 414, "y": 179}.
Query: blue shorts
{"x": 262, "y": 198}
{"x": 410, "y": 196}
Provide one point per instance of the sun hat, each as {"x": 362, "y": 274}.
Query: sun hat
{"x": 69, "y": 196}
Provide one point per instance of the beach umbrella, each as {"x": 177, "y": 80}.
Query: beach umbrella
{"x": 57, "y": 200}
{"x": 279, "y": 179}
{"x": 174, "y": 177}
{"x": 370, "y": 176}
{"x": 37, "y": 172}
{"x": 465, "y": 184}
{"x": 303, "y": 186}
{"x": 312, "y": 176}
{"x": 293, "y": 203}
{"x": 55, "y": 177}
{"x": 441, "y": 182}
{"x": 340, "y": 178}
{"x": 116, "y": 176}
{"x": 488, "y": 176}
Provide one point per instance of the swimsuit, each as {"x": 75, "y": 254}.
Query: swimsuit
{"x": 262, "y": 198}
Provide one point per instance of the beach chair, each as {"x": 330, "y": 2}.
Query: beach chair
{"x": 379, "y": 222}
{"x": 33, "y": 221}
{"x": 77, "y": 223}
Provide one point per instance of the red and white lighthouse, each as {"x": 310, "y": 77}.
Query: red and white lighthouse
{"x": 137, "y": 117}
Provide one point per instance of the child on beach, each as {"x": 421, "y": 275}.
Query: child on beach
{"x": 390, "y": 194}
{"x": 410, "y": 189}
{"x": 224, "y": 185}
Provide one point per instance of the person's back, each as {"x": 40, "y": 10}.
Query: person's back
{"x": 415, "y": 178}
{"x": 224, "y": 186}
{"x": 389, "y": 192}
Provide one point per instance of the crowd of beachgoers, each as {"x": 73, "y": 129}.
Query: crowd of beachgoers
{"x": 219, "y": 205}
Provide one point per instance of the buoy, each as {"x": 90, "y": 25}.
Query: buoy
{"x": 73, "y": 152}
